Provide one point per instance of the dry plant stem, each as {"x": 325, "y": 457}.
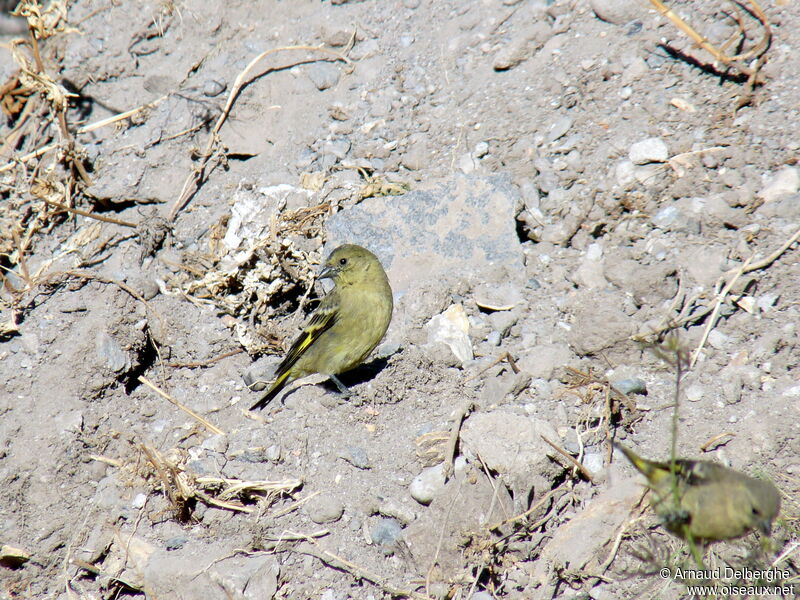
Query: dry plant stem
{"x": 294, "y": 505}
{"x": 197, "y": 175}
{"x": 85, "y": 213}
{"x": 615, "y": 548}
{"x": 686, "y": 316}
{"x": 525, "y": 514}
{"x": 584, "y": 471}
{"x": 123, "y": 286}
{"x": 701, "y": 41}
{"x": 715, "y": 439}
{"x": 29, "y": 156}
{"x": 208, "y": 425}
{"x": 505, "y": 356}
{"x": 712, "y": 321}
{"x": 453, "y": 440}
{"x": 211, "y": 501}
{"x": 312, "y": 548}
{"x": 440, "y": 539}
{"x": 86, "y": 566}
{"x": 205, "y": 363}
{"x": 765, "y": 262}
{"x": 122, "y": 116}
{"x": 105, "y": 459}
{"x": 785, "y": 554}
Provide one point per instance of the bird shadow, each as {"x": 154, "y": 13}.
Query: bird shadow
{"x": 361, "y": 374}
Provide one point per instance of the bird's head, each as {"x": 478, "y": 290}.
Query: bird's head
{"x": 765, "y": 502}
{"x": 350, "y": 264}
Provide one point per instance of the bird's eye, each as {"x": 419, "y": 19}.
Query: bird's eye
{"x": 342, "y": 261}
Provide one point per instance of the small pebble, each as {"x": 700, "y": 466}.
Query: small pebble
{"x": 466, "y": 164}
{"x": 617, "y": 12}
{"x": 357, "y": 457}
{"x": 718, "y": 340}
{"x": 694, "y": 393}
{"x": 425, "y": 486}
{"x": 213, "y": 88}
{"x": 176, "y": 543}
{"x": 386, "y": 532}
{"x": 633, "y": 385}
{"x": 766, "y": 302}
{"x": 648, "y": 151}
{"x": 558, "y": 128}
{"x": 324, "y": 508}
{"x": 785, "y": 181}
{"x": 323, "y": 75}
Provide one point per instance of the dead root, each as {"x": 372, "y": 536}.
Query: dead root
{"x": 746, "y": 61}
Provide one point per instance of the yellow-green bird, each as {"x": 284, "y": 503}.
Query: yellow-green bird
{"x": 713, "y": 502}
{"x": 346, "y": 326}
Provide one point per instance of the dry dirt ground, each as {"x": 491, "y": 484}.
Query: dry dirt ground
{"x": 552, "y": 185}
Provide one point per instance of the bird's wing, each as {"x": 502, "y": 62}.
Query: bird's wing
{"x": 323, "y": 319}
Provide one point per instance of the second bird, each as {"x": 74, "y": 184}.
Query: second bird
{"x": 706, "y": 500}
{"x": 347, "y": 325}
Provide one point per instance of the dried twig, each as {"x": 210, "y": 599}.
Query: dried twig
{"x": 85, "y": 213}
{"x": 505, "y": 356}
{"x": 703, "y": 42}
{"x": 712, "y": 321}
{"x": 204, "y": 363}
{"x": 757, "y": 52}
{"x": 313, "y": 548}
{"x": 524, "y": 515}
{"x": 690, "y": 313}
{"x": 717, "y": 438}
{"x": 208, "y": 425}
{"x": 584, "y": 471}
{"x": 453, "y": 440}
{"x": 121, "y": 116}
{"x": 198, "y": 174}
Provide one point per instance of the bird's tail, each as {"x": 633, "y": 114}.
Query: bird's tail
{"x": 274, "y": 390}
{"x": 648, "y": 468}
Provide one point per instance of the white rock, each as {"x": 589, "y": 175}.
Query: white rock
{"x": 424, "y": 486}
{"x": 623, "y": 173}
{"x": 649, "y": 150}
{"x": 452, "y": 329}
{"x": 785, "y": 181}
{"x": 694, "y": 393}
{"x": 617, "y": 12}
{"x": 718, "y": 339}
{"x": 466, "y": 164}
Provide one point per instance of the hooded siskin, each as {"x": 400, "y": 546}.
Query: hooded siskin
{"x": 347, "y": 325}
{"x": 714, "y": 502}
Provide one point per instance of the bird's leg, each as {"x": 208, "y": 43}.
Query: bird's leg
{"x": 342, "y": 388}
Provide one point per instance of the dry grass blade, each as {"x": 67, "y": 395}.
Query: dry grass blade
{"x": 122, "y": 116}
{"x": 524, "y": 515}
{"x": 205, "y": 422}
{"x": 85, "y": 213}
{"x": 701, "y": 41}
{"x": 584, "y": 471}
{"x": 757, "y": 52}
{"x": 712, "y": 321}
{"x": 453, "y": 438}
{"x": 312, "y": 548}
{"x": 197, "y": 176}
{"x": 232, "y": 488}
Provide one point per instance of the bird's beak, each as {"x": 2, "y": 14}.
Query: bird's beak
{"x": 326, "y": 273}
{"x": 765, "y": 526}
